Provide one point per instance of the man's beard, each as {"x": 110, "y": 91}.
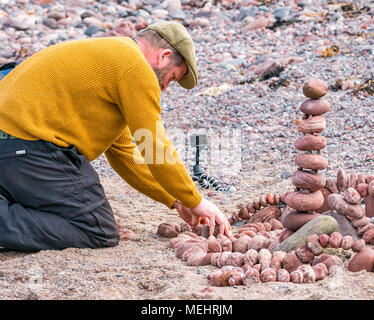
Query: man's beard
{"x": 161, "y": 73}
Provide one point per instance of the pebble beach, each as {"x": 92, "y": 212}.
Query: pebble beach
{"x": 253, "y": 58}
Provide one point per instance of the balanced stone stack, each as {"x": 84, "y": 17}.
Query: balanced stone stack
{"x": 307, "y": 200}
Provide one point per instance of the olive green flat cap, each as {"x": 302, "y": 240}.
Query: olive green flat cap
{"x": 179, "y": 38}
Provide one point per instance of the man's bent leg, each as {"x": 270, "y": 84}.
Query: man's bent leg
{"x": 54, "y": 189}
{"x": 25, "y": 229}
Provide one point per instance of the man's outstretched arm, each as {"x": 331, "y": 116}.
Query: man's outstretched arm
{"x": 124, "y": 158}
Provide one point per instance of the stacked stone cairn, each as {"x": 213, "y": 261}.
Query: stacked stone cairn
{"x": 255, "y": 254}
{"x": 308, "y": 197}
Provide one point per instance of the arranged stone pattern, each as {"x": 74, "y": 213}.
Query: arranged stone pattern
{"x": 251, "y": 258}
{"x": 308, "y": 197}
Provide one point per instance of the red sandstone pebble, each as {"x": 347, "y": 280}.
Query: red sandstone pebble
{"x": 285, "y": 234}
{"x": 291, "y": 261}
{"x": 337, "y": 202}
{"x": 308, "y": 180}
{"x": 363, "y": 260}
{"x": 218, "y": 278}
{"x": 235, "y": 259}
{"x": 333, "y": 261}
{"x": 358, "y": 245}
{"x": 184, "y": 227}
{"x": 335, "y": 240}
{"x": 196, "y": 258}
{"x": 369, "y": 178}
{"x": 314, "y": 245}
{"x": 264, "y": 258}
{"x": 249, "y": 233}
{"x": 276, "y": 263}
{"x": 257, "y": 267}
{"x": 168, "y": 230}
{"x": 214, "y": 258}
{"x": 260, "y": 227}
{"x": 304, "y": 253}
{"x": 268, "y": 275}
{"x": 265, "y": 214}
{"x": 315, "y": 124}
{"x": 213, "y": 245}
{"x": 257, "y": 205}
{"x": 342, "y": 180}
{"x": 364, "y": 229}
{"x": 352, "y": 181}
{"x": 190, "y": 244}
{"x": 369, "y": 206}
{"x": 371, "y": 188}
{"x": 258, "y": 242}
{"x": 315, "y": 107}
{"x": 361, "y": 179}
{"x": 267, "y": 226}
{"x": 352, "y": 196}
{"x": 320, "y": 271}
{"x": 251, "y": 276}
{"x": 361, "y": 222}
{"x": 309, "y": 275}
{"x": 191, "y": 250}
{"x": 324, "y": 240}
{"x": 263, "y": 201}
{"x": 347, "y": 242}
{"x": 368, "y": 236}
{"x": 275, "y": 224}
{"x": 320, "y": 258}
{"x": 303, "y": 201}
{"x": 276, "y": 199}
{"x": 311, "y": 161}
{"x": 295, "y": 220}
{"x": 362, "y": 189}
{"x": 241, "y": 244}
{"x": 251, "y": 257}
{"x": 332, "y": 186}
{"x": 315, "y": 88}
{"x": 207, "y": 259}
{"x": 296, "y": 276}
{"x": 251, "y": 208}
{"x": 244, "y": 214}
{"x": 270, "y": 199}
{"x": 223, "y": 257}
{"x": 310, "y": 142}
{"x": 283, "y": 275}
{"x": 225, "y": 242}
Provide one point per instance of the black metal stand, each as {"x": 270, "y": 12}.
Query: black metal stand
{"x": 204, "y": 180}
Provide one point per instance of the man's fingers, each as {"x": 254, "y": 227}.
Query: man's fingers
{"x": 212, "y": 225}
{"x": 221, "y": 228}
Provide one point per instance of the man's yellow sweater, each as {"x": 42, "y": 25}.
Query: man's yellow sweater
{"x": 96, "y": 94}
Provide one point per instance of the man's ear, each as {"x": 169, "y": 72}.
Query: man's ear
{"x": 163, "y": 58}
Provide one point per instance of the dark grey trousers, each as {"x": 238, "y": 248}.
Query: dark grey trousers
{"x": 54, "y": 199}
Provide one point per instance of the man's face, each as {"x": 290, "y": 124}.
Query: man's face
{"x": 169, "y": 73}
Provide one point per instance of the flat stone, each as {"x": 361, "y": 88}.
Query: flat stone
{"x": 319, "y": 225}
{"x": 344, "y": 224}
{"x": 295, "y": 220}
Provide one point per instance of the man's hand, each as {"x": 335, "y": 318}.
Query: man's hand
{"x": 188, "y": 216}
{"x": 206, "y": 212}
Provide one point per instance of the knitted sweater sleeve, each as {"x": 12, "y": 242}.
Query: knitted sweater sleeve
{"x": 139, "y": 94}
{"x": 127, "y": 161}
